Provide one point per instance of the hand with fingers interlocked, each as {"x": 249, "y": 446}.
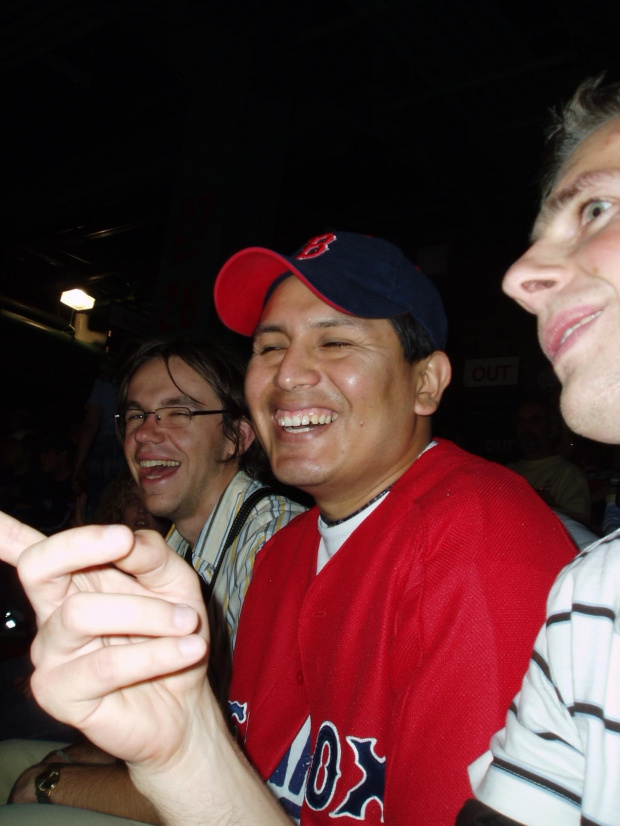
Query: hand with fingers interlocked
{"x": 122, "y": 633}
{"x": 121, "y": 654}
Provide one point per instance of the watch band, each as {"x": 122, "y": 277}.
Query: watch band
{"x": 46, "y": 781}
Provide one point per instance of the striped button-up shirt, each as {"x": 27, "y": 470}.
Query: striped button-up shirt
{"x": 266, "y": 517}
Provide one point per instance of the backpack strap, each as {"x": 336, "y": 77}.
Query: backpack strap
{"x": 235, "y": 529}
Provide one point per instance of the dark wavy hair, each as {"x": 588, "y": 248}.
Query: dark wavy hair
{"x": 223, "y": 371}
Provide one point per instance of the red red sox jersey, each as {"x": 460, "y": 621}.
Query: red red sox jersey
{"x": 362, "y": 693}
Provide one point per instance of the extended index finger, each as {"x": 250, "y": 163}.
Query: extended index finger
{"x": 15, "y": 537}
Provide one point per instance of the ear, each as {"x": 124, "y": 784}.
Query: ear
{"x": 433, "y": 376}
{"x": 246, "y": 436}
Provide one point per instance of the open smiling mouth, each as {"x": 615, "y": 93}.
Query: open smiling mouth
{"x": 157, "y": 467}
{"x": 302, "y": 422}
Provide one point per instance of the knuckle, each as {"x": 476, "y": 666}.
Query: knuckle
{"x": 72, "y": 612}
{"x": 26, "y": 571}
{"x": 106, "y": 664}
{"x": 37, "y": 649}
{"x": 40, "y": 685}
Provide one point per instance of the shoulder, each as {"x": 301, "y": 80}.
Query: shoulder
{"x": 448, "y": 473}
{"x": 285, "y": 542}
{"x": 267, "y": 503}
{"x": 263, "y": 512}
{"x": 591, "y": 579}
{"x": 463, "y": 502}
{"x": 448, "y": 459}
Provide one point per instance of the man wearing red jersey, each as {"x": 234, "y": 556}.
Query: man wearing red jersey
{"x": 384, "y": 631}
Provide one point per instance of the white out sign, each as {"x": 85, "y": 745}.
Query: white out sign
{"x": 495, "y": 372}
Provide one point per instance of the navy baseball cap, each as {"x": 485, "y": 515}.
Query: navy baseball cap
{"x": 356, "y": 274}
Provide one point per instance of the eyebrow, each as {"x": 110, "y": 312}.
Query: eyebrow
{"x": 321, "y": 324}
{"x": 559, "y": 200}
{"x": 170, "y": 401}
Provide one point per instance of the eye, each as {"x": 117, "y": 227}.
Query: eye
{"x": 593, "y": 210}
{"x": 336, "y": 344}
{"x": 262, "y": 349}
{"x": 134, "y": 416}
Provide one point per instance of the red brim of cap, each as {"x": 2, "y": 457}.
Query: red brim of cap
{"x": 242, "y": 284}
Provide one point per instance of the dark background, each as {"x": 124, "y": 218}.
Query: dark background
{"x": 146, "y": 141}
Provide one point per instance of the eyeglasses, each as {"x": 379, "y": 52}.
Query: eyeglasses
{"x": 167, "y": 417}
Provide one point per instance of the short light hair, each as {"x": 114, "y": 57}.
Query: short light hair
{"x": 592, "y": 105}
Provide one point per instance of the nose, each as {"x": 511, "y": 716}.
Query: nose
{"x": 297, "y": 368}
{"x": 149, "y": 430}
{"x": 537, "y": 275}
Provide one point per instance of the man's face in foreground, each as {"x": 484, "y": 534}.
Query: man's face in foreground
{"x": 333, "y": 400}
{"x": 570, "y": 279}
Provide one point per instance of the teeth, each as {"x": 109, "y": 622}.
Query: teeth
{"x": 306, "y": 419}
{"x": 158, "y": 463}
{"x": 578, "y": 325}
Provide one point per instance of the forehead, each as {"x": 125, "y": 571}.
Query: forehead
{"x": 293, "y": 306}
{"x": 595, "y": 160}
{"x": 598, "y": 149}
{"x": 155, "y": 380}
{"x": 291, "y": 294}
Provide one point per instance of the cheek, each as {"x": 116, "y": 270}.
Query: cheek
{"x": 349, "y": 384}
{"x": 263, "y": 428}
{"x": 355, "y": 382}
{"x": 603, "y": 256}
{"x": 182, "y": 441}
{"x": 255, "y": 382}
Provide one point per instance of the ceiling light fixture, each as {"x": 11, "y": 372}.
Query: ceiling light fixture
{"x": 77, "y": 300}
